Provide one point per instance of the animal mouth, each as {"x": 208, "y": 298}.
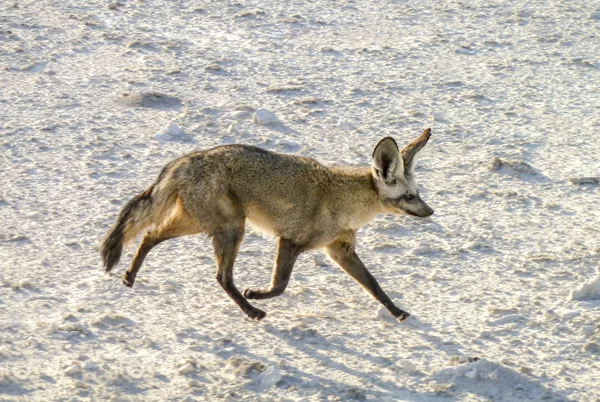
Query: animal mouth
{"x": 415, "y": 214}
{"x": 412, "y": 213}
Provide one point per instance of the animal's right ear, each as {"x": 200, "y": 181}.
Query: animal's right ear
{"x": 387, "y": 160}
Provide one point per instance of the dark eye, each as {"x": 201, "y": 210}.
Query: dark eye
{"x": 409, "y": 197}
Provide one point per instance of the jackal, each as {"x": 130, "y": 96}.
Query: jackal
{"x": 303, "y": 203}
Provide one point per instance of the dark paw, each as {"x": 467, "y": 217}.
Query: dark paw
{"x": 252, "y": 293}
{"x": 256, "y": 314}
{"x": 402, "y": 315}
{"x": 126, "y": 281}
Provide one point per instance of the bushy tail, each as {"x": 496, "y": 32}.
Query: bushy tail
{"x": 145, "y": 210}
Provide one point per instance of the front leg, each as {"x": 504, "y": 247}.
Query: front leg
{"x": 287, "y": 253}
{"x": 343, "y": 253}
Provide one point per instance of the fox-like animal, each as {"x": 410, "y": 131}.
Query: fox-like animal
{"x": 304, "y": 204}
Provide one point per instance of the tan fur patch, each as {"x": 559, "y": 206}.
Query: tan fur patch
{"x": 261, "y": 222}
{"x": 361, "y": 218}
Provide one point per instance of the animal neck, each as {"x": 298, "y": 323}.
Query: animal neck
{"x": 356, "y": 197}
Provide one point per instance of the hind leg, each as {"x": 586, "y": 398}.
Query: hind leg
{"x": 181, "y": 225}
{"x": 227, "y": 243}
{"x": 148, "y": 242}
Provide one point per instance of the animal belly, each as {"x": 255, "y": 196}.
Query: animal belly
{"x": 262, "y": 222}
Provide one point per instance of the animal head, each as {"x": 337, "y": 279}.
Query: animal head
{"x": 393, "y": 171}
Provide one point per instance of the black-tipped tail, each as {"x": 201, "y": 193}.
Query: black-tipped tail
{"x": 112, "y": 245}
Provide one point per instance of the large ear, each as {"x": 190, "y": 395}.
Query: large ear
{"x": 412, "y": 149}
{"x": 386, "y": 159}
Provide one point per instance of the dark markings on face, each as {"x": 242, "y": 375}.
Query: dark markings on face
{"x": 408, "y": 197}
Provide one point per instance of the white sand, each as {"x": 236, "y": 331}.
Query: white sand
{"x": 95, "y": 97}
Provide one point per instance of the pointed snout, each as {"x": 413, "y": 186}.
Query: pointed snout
{"x": 423, "y": 212}
{"x": 419, "y": 209}
{"x": 428, "y": 211}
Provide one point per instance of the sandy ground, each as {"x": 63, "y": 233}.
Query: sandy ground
{"x": 95, "y": 97}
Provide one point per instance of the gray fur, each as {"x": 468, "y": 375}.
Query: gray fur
{"x": 305, "y": 204}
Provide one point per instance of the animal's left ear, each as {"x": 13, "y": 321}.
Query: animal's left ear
{"x": 387, "y": 162}
{"x": 411, "y": 150}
